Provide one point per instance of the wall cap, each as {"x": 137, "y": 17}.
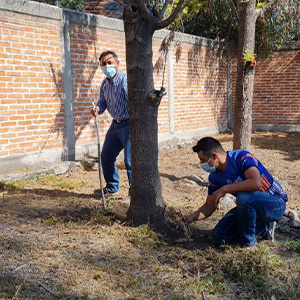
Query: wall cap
{"x": 53, "y": 12}
{"x": 112, "y": 23}
{"x": 276, "y": 127}
{"x": 32, "y": 8}
{"x": 94, "y": 20}
{"x": 295, "y": 45}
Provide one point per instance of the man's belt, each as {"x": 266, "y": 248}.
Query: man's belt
{"x": 121, "y": 121}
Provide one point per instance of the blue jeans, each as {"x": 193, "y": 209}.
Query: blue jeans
{"x": 117, "y": 138}
{"x": 250, "y": 218}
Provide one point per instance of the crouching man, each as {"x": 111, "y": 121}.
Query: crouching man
{"x": 260, "y": 199}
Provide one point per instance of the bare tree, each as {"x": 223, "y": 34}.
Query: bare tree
{"x": 140, "y": 22}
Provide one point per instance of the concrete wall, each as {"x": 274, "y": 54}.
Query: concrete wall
{"x": 50, "y": 76}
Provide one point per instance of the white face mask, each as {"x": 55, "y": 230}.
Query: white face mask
{"x": 109, "y": 71}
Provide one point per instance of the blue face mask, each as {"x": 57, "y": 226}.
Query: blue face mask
{"x": 109, "y": 71}
{"x": 207, "y": 168}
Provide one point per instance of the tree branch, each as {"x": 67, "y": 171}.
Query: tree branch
{"x": 144, "y": 10}
{"x": 121, "y": 2}
{"x": 234, "y": 2}
{"x": 235, "y": 7}
{"x": 261, "y": 11}
{"x": 171, "y": 18}
{"x": 163, "y": 10}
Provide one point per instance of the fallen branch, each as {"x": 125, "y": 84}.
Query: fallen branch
{"x": 18, "y": 268}
{"x": 19, "y": 288}
{"x": 44, "y": 287}
{"x": 30, "y": 281}
{"x": 47, "y": 289}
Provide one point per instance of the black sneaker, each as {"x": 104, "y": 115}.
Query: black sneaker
{"x": 106, "y": 192}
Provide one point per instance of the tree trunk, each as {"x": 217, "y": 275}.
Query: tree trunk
{"x": 245, "y": 76}
{"x": 146, "y": 196}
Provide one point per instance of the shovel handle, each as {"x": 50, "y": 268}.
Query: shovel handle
{"x": 99, "y": 160}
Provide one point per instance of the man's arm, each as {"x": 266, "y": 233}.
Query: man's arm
{"x": 101, "y": 104}
{"x": 202, "y": 213}
{"x": 251, "y": 184}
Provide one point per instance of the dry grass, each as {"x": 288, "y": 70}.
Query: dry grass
{"x": 56, "y": 242}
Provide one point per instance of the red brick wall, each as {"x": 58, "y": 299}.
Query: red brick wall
{"x": 200, "y": 88}
{"x": 31, "y": 82}
{"x": 276, "y": 98}
{"x": 276, "y": 90}
{"x": 95, "y": 7}
{"x": 98, "y": 7}
{"x": 31, "y": 108}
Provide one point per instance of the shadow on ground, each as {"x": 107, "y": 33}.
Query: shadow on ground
{"x": 285, "y": 142}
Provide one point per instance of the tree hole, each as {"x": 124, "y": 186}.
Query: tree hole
{"x": 133, "y": 8}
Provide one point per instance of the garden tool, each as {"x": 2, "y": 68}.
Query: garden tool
{"x": 99, "y": 159}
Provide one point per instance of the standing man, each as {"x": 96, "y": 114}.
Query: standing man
{"x": 114, "y": 98}
{"x": 260, "y": 199}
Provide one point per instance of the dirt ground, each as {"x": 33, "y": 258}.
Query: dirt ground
{"x": 56, "y": 242}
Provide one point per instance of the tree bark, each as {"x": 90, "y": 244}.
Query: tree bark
{"x": 245, "y": 76}
{"x": 146, "y": 204}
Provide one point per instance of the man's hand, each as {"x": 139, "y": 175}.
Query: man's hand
{"x": 191, "y": 218}
{"x": 202, "y": 213}
{"x": 188, "y": 219}
{"x": 215, "y": 197}
{"x": 94, "y": 111}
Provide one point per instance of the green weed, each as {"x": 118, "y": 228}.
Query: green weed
{"x": 70, "y": 225}
{"x": 98, "y": 275}
{"x": 246, "y": 265}
{"x": 175, "y": 297}
{"x": 2, "y": 185}
{"x": 12, "y": 186}
{"x": 98, "y": 217}
{"x": 74, "y": 203}
{"x": 145, "y": 236}
{"x": 111, "y": 232}
{"x": 59, "y": 182}
{"x": 50, "y": 221}
{"x": 212, "y": 285}
{"x": 295, "y": 246}
{"x": 132, "y": 282}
